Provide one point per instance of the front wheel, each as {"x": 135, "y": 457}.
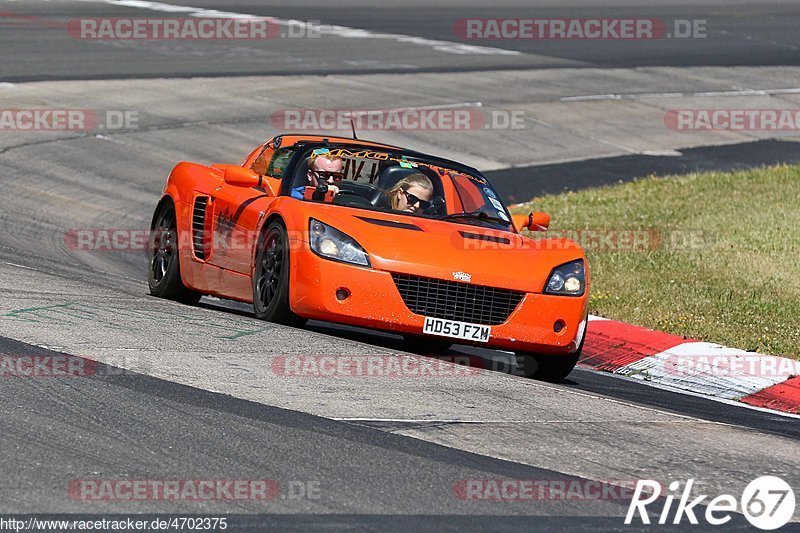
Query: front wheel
{"x": 426, "y": 345}
{"x": 271, "y": 278}
{"x": 552, "y": 368}
{"x": 164, "y": 272}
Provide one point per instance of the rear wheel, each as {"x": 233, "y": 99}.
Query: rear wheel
{"x": 164, "y": 275}
{"x": 427, "y": 345}
{"x": 271, "y": 278}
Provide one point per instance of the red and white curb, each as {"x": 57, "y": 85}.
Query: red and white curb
{"x": 701, "y": 368}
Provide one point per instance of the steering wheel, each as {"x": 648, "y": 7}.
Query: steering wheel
{"x": 345, "y": 197}
{"x": 437, "y": 206}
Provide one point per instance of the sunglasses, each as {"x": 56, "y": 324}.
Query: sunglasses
{"x": 329, "y": 174}
{"x": 413, "y": 200}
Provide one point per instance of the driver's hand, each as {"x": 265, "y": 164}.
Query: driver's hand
{"x": 333, "y": 188}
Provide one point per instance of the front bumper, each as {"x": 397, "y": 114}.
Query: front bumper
{"x": 375, "y": 302}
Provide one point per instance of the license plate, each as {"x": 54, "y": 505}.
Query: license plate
{"x": 457, "y": 330}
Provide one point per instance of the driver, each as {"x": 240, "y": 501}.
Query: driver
{"x": 321, "y": 169}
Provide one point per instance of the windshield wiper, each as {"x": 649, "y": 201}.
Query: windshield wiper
{"x": 476, "y": 215}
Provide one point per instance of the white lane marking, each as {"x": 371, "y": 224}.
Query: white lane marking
{"x": 460, "y": 105}
{"x": 323, "y": 29}
{"x": 6, "y": 85}
{"x": 456, "y": 421}
{"x": 418, "y": 420}
{"x": 19, "y": 266}
{"x": 705, "y": 94}
{"x": 590, "y": 97}
{"x": 107, "y": 139}
{"x": 682, "y": 367}
{"x": 750, "y": 92}
{"x": 662, "y": 153}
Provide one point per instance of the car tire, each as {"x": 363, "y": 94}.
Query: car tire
{"x": 271, "y": 278}
{"x": 551, "y": 368}
{"x": 164, "y": 265}
{"x": 426, "y": 345}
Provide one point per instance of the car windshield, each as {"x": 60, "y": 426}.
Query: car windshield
{"x": 393, "y": 182}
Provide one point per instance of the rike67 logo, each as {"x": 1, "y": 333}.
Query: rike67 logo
{"x": 767, "y": 502}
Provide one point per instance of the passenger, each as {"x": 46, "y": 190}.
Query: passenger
{"x": 411, "y": 194}
{"x": 321, "y": 169}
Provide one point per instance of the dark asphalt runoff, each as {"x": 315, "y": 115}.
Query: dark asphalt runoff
{"x": 519, "y": 184}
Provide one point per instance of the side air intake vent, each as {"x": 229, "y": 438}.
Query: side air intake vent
{"x": 199, "y": 227}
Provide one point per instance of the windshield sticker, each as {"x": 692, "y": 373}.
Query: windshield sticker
{"x": 368, "y": 154}
{"x": 346, "y": 154}
{"x": 476, "y": 179}
{"x": 489, "y": 192}
{"x": 502, "y": 215}
{"x": 363, "y": 154}
{"x": 496, "y": 204}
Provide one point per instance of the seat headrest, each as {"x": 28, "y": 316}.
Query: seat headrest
{"x": 389, "y": 176}
{"x": 302, "y": 168}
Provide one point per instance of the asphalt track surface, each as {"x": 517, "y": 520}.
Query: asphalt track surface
{"x": 349, "y": 461}
{"x": 738, "y": 34}
{"x": 195, "y": 399}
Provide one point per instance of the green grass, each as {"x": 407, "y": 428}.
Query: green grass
{"x": 737, "y": 282}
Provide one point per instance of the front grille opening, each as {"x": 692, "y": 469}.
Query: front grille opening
{"x": 452, "y": 300}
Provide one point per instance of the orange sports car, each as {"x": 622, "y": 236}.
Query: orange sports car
{"x": 372, "y": 235}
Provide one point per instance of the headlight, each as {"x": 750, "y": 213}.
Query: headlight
{"x": 331, "y": 243}
{"x": 568, "y": 279}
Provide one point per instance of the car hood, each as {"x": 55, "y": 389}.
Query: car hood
{"x": 451, "y": 250}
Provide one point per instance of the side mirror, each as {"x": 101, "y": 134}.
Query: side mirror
{"x": 246, "y": 178}
{"x": 241, "y": 177}
{"x": 535, "y": 221}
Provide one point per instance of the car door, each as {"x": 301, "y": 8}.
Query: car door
{"x": 237, "y": 212}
